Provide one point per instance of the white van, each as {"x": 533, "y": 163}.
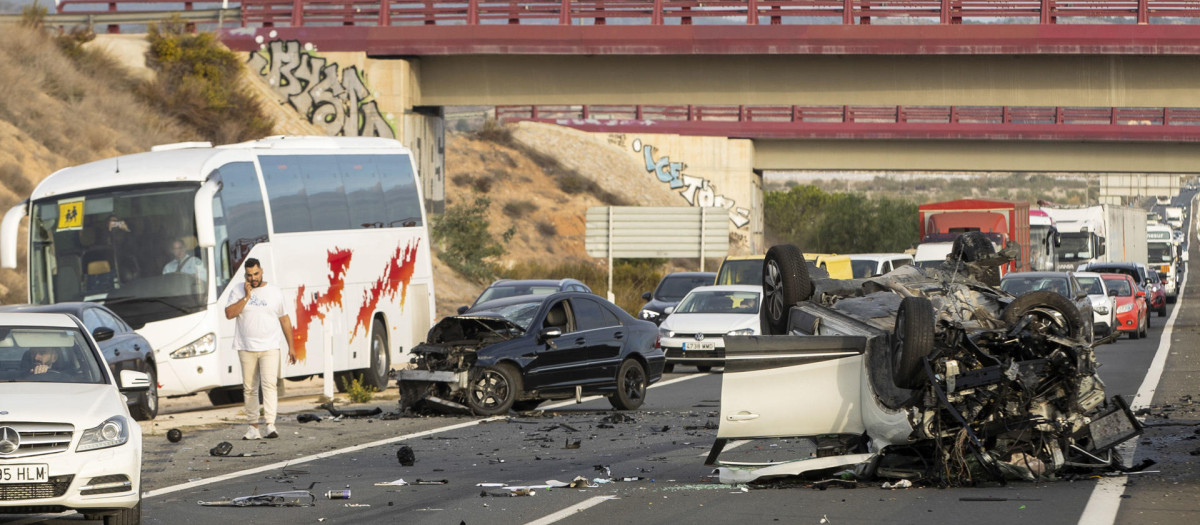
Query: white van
{"x": 866, "y": 265}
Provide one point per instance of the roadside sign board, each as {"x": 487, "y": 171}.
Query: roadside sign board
{"x": 639, "y": 232}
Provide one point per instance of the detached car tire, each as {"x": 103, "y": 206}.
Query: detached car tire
{"x": 493, "y": 390}
{"x": 631, "y": 386}
{"x": 1038, "y": 303}
{"x": 785, "y": 283}
{"x": 912, "y": 341}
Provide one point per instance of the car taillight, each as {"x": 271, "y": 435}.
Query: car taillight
{"x": 658, "y": 341}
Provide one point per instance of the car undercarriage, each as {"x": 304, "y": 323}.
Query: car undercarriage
{"x": 930, "y": 374}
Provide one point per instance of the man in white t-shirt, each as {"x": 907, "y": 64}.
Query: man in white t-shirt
{"x": 261, "y": 323}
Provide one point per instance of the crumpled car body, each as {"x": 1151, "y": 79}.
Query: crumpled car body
{"x": 920, "y": 373}
{"x": 516, "y": 352}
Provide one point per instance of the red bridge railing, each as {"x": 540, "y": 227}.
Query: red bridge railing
{"x": 985, "y": 122}
{"x": 670, "y": 12}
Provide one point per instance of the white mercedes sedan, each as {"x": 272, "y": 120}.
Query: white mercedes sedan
{"x": 67, "y": 440}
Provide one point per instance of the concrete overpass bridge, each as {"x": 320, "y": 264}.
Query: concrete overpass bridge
{"x": 1100, "y": 56}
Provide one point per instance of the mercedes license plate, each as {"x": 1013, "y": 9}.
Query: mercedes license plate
{"x": 700, "y": 345}
{"x": 37, "y": 473}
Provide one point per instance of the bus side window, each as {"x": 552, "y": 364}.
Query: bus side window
{"x": 239, "y": 218}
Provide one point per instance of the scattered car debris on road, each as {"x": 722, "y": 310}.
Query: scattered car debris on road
{"x": 350, "y": 413}
{"x": 405, "y": 456}
{"x": 174, "y": 435}
{"x": 920, "y": 374}
{"x": 287, "y": 498}
{"x": 222, "y": 449}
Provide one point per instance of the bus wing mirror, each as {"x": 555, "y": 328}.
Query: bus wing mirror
{"x": 205, "y": 236}
{"x": 9, "y": 229}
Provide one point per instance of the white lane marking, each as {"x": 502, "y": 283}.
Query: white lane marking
{"x": 314, "y": 457}
{"x": 355, "y": 448}
{"x": 1105, "y": 501}
{"x": 593, "y": 398}
{"x": 572, "y": 510}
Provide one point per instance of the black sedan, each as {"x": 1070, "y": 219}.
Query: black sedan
{"x": 516, "y": 352}
{"x": 123, "y": 348}
{"x": 670, "y": 290}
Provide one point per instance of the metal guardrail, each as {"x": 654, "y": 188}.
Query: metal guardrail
{"x": 215, "y": 17}
{"x": 384, "y": 13}
{"x": 876, "y": 122}
{"x": 861, "y": 114}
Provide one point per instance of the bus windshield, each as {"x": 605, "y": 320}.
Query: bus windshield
{"x": 132, "y": 249}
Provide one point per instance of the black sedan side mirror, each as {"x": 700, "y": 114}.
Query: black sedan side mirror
{"x": 646, "y": 296}
{"x": 103, "y": 333}
{"x": 463, "y": 309}
{"x": 549, "y": 333}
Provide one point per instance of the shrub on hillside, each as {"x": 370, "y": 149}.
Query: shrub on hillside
{"x": 465, "y": 242}
{"x": 198, "y": 83}
{"x": 821, "y": 222}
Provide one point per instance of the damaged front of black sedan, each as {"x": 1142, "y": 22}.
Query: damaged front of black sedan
{"x": 515, "y": 353}
{"x": 930, "y": 374}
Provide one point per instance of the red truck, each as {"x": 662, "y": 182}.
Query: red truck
{"x": 1001, "y": 221}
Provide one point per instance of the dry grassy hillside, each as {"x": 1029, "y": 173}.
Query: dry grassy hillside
{"x": 60, "y": 111}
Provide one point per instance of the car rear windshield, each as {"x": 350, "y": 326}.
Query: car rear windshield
{"x": 1023, "y": 285}
{"x": 1120, "y": 285}
{"x": 719, "y": 302}
{"x": 741, "y": 271}
{"x": 502, "y": 291}
{"x": 1091, "y": 285}
{"x": 674, "y": 287}
{"x": 47, "y": 355}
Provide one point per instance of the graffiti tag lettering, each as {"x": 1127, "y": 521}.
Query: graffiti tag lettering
{"x": 338, "y": 105}
{"x": 695, "y": 190}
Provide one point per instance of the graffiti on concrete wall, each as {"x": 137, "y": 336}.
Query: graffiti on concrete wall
{"x": 338, "y": 104}
{"x": 695, "y": 190}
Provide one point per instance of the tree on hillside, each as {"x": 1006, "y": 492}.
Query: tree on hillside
{"x": 821, "y": 222}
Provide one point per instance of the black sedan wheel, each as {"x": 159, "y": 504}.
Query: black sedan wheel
{"x": 631, "y": 386}
{"x": 146, "y": 407}
{"x": 493, "y": 390}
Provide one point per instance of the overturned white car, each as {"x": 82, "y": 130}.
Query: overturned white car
{"x": 920, "y": 373}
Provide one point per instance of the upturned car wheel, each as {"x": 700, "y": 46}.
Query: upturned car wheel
{"x": 912, "y": 340}
{"x": 631, "y": 386}
{"x": 971, "y": 247}
{"x": 785, "y": 283}
{"x": 146, "y": 407}
{"x": 1052, "y": 313}
{"x": 493, "y": 390}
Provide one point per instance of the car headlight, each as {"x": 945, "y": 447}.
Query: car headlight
{"x": 1102, "y": 310}
{"x": 743, "y": 331}
{"x": 648, "y": 314}
{"x": 203, "y": 346}
{"x": 663, "y": 332}
{"x": 1124, "y": 308}
{"x": 111, "y": 433}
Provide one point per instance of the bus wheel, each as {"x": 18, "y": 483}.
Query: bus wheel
{"x": 381, "y": 359}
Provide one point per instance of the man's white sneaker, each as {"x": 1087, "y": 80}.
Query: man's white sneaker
{"x": 252, "y": 434}
{"x": 271, "y": 433}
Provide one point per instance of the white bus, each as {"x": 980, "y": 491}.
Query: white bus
{"x": 338, "y": 224}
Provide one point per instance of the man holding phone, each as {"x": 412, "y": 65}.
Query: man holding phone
{"x": 261, "y": 322}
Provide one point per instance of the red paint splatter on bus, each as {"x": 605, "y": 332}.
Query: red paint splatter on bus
{"x": 399, "y": 272}
{"x": 339, "y": 261}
